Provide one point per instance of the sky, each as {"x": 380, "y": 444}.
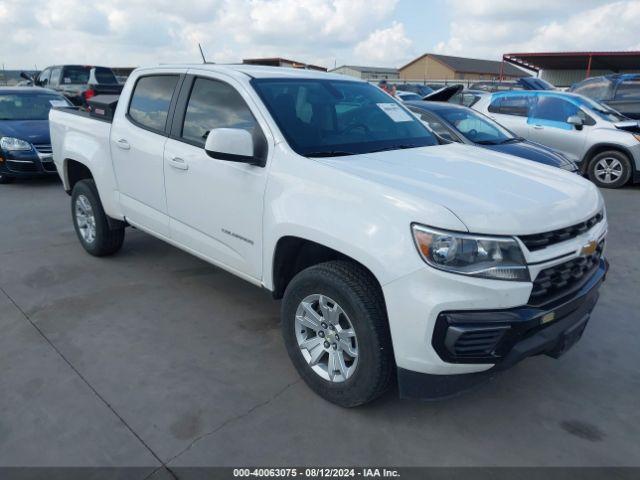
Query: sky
{"x": 38, "y": 33}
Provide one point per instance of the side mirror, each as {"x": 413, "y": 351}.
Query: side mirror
{"x": 231, "y": 144}
{"x": 576, "y": 121}
{"x": 26, "y": 76}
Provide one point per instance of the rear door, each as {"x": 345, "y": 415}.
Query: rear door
{"x": 138, "y": 137}
{"x": 549, "y": 125}
{"x": 215, "y": 206}
{"x": 512, "y": 111}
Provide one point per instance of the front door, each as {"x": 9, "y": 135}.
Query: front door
{"x": 215, "y": 206}
{"x": 549, "y": 126}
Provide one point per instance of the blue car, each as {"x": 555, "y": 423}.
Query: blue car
{"x": 25, "y": 145}
{"x": 456, "y": 123}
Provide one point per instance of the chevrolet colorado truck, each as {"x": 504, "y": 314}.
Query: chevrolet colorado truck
{"x": 396, "y": 258}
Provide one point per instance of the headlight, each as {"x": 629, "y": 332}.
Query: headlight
{"x": 12, "y": 144}
{"x": 498, "y": 258}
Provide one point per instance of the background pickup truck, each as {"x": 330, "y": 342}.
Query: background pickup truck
{"x": 394, "y": 256}
{"x": 77, "y": 82}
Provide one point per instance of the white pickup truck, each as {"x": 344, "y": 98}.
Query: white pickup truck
{"x": 396, "y": 257}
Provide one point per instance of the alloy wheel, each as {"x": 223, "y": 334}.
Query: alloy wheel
{"x": 85, "y": 219}
{"x": 608, "y": 170}
{"x": 326, "y": 338}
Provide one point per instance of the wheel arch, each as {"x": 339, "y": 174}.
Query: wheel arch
{"x": 292, "y": 254}
{"x": 604, "y": 147}
{"x": 74, "y": 171}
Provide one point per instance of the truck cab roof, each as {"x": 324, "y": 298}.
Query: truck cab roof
{"x": 252, "y": 71}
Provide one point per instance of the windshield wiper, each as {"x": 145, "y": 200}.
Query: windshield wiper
{"x": 487, "y": 142}
{"x": 329, "y": 153}
{"x": 512, "y": 140}
{"x": 394, "y": 147}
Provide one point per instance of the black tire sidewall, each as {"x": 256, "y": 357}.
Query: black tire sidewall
{"x": 626, "y": 165}
{"x": 357, "y": 389}
{"x": 88, "y": 189}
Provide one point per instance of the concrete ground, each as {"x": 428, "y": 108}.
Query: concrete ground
{"x": 153, "y": 357}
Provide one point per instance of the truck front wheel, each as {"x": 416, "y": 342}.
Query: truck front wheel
{"x": 90, "y": 222}
{"x": 336, "y": 332}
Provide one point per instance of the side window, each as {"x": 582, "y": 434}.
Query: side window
{"x": 598, "y": 89}
{"x": 149, "y": 106}
{"x": 516, "y": 105}
{"x": 629, "y": 90}
{"x": 55, "y": 76}
{"x": 554, "y": 109}
{"x": 43, "y": 78}
{"x": 215, "y": 104}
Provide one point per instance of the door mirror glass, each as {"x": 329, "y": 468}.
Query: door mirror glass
{"x": 231, "y": 144}
{"x": 576, "y": 121}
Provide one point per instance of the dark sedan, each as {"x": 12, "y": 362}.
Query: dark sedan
{"x": 25, "y": 145}
{"x": 460, "y": 124}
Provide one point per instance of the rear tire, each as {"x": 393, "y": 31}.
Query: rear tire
{"x": 5, "y": 179}
{"x": 90, "y": 222}
{"x": 362, "y": 366}
{"x": 610, "y": 169}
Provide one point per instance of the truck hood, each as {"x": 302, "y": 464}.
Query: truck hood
{"x": 489, "y": 192}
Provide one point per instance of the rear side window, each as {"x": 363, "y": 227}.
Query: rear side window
{"x": 215, "y": 104}
{"x": 517, "y": 105}
{"x": 150, "y": 101}
{"x": 629, "y": 90}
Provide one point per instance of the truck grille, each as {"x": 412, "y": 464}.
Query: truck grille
{"x": 560, "y": 280}
{"x": 543, "y": 240}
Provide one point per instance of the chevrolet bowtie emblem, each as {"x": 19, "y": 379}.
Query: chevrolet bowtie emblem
{"x": 589, "y": 249}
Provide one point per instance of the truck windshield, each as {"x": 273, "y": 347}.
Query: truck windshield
{"x": 29, "y": 106}
{"x": 322, "y": 118}
{"x": 79, "y": 74}
{"x": 476, "y": 127}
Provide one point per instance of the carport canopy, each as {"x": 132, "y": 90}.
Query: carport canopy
{"x": 614, "y": 61}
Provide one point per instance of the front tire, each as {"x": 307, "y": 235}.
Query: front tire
{"x": 610, "y": 169}
{"x": 335, "y": 328}
{"x": 90, "y": 222}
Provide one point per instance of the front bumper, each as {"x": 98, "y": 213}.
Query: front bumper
{"x": 27, "y": 164}
{"x": 503, "y": 338}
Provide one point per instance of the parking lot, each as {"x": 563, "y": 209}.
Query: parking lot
{"x": 153, "y": 357}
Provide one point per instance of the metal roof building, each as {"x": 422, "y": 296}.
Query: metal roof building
{"x": 566, "y": 68}
{"x": 370, "y": 74}
{"x": 431, "y": 66}
{"x": 282, "y": 62}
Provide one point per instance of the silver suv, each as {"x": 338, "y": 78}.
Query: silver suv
{"x": 604, "y": 143}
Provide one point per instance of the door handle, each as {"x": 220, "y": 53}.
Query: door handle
{"x": 178, "y": 163}
{"x": 123, "y": 144}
